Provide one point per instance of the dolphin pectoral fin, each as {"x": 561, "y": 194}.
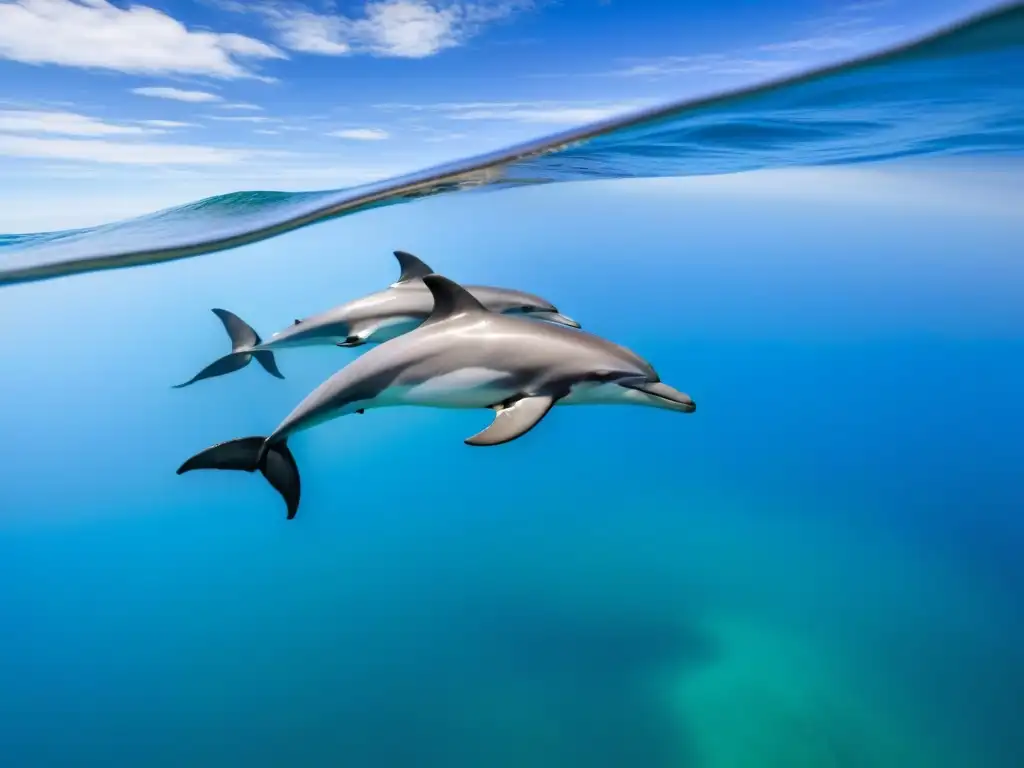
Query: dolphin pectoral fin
{"x": 278, "y": 465}
{"x": 514, "y": 420}
{"x": 266, "y": 359}
{"x": 231, "y": 362}
{"x": 359, "y": 334}
{"x": 379, "y": 329}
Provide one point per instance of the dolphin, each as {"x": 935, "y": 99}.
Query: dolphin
{"x": 372, "y": 319}
{"x": 462, "y": 356}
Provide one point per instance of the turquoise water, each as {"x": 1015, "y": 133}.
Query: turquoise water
{"x": 820, "y": 567}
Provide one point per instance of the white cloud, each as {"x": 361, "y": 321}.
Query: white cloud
{"x": 546, "y": 112}
{"x": 122, "y": 153}
{"x": 242, "y": 105}
{"x": 242, "y": 118}
{"x": 361, "y": 134}
{"x": 851, "y": 30}
{"x": 398, "y": 28}
{"x": 177, "y": 94}
{"x": 265, "y": 132}
{"x": 838, "y": 39}
{"x": 168, "y": 124}
{"x": 63, "y": 123}
{"x": 557, "y": 115}
{"x": 137, "y": 39}
{"x": 710, "y": 64}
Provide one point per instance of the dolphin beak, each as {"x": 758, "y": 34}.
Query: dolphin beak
{"x": 558, "y": 318}
{"x": 665, "y": 396}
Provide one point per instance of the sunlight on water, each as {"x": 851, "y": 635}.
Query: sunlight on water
{"x": 959, "y": 91}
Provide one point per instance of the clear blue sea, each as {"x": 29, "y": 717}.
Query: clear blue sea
{"x": 821, "y": 567}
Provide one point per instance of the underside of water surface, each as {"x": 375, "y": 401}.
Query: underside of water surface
{"x": 957, "y": 91}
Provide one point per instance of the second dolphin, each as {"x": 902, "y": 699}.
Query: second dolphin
{"x": 372, "y": 319}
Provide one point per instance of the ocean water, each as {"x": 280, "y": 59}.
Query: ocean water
{"x": 820, "y": 567}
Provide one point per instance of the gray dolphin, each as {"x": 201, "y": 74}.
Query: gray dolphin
{"x": 371, "y": 319}
{"x": 462, "y": 356}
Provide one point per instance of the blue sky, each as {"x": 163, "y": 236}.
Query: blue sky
{"x": 163, "y": 101}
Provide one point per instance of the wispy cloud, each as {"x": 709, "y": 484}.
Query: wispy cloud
{"x": 546, "y": 112}
{"x": 396, "y": 28}
{"x": 168, "y": 124}
{"x": 137, "y": 39}
{"x": 117, "y": 152}
{"x": 854, "y": 28}
{"x": 177, "y": 94}
{"x": 361, "y": 134}
{"x": 242, "y": 105}
{"x": 67, "y": 124}
{"x": 242, "y": 118}
{"x": 706, "y": 64}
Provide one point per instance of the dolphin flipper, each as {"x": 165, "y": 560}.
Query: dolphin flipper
{"x": 266, "y": 359}
{"x": 382, "y": 329}
{"x": 514, "y": 420}
{"x": 231, "y": 362}
{"x": 278, "y": 467}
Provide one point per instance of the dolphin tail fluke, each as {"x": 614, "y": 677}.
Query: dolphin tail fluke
{"x": 243, "y": 339}
{"x": 249, "y": 454}
{"x": 266, "y": 359}
{"x": 243, "y": 336}
{"x": 231, "y": 362}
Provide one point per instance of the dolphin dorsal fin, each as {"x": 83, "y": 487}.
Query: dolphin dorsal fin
{"x": 412, "y": 267}
{"x": 450, "y": 299}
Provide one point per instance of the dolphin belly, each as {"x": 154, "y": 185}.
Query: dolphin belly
{"x": 391, "y": 328}
{"x": 461, "y": 388}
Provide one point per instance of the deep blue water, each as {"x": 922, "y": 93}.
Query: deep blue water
{"x": 821, "y": 567}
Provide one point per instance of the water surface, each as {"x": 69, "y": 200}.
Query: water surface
{"x": 957, "y": 91}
